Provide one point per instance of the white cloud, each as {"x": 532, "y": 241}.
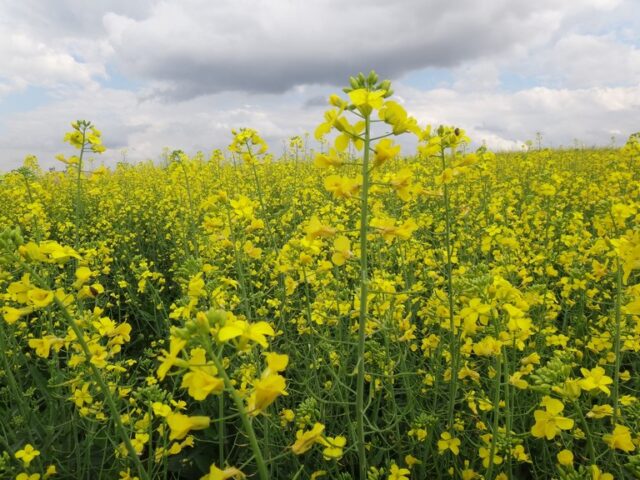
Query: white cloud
{"x": 144, "y": 128}
{"x": 568, "y": 69}
{"x": 588, "y": 115}
{"x": 588, "y": 60}
{"x": 501, "y": 120}
{"x": 27, "y": 62}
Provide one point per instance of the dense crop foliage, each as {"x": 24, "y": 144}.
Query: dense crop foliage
{"x": 356, "y": 314}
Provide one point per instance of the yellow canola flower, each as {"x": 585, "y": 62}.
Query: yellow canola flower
{"x": 251, "y": 250}
{"x": 216, "y": 473}
{"x": 397, "y": 473}
{"x": 48, "y": 252}
{"x": 43, "y": 345}
{"x": 26, "y": 476}
{"x": 385, "y": 150}
{"x": 265, "y": 391}
{"x": 595, "y": 379}
{"x": 247, "y": 332}
{"x": 248, "y": 144}
{"x": 170, "y": 358}
{"x": 620, "y": 439}
{"x": 327, "y": 160}
{"x": 410, "y": 460}
{"x": 390, "y": 231}
{"x": 401, "y": 183}
{"x": 11, "y": 315}
{"x": 532, "y": 359}
{"x": 447, "y": 176}
{"x": 139, "y": 441}
{"x": 201, "y": 380}
{"x": 276, "y": 362}
{"x": 600, "y": 411}
{"x": 350, "y": 133}
{"x": 596, "y": 474}
{"x": 39, "y": 297}
{"x": 27, "y": 454}
{"x": 547, "y": 190}
{"x": 83, "y": 275}
{"x": 366, "y": 101}
{"x": 160, "y": 409}
{"x": 548, "y": 422}
{"x": 485, "y": 454}
{"x": 334, "y": 447}
{"x": 242, "y": 207}
{"x": 628, "y": 250}
{"x": 343, "y": 187}
{"x": 487, "y": 347}
{"x": 305, "y": 440}
{"x": 330, "y": 117}
{"x": 180, "y": 424}
{"x": 82, "y": 396}
{"x": 270, "y": 385}
{"x": 51, "y": 471}
{"x": 475, "y": 309}
{"x": 342, "y": 251}
{"x": 447, "y": 442}
{"x": 394, "y": 114}
{"x": 196, "y": 286}
{"x": 316, "y": 229}
{"x": 18, "y": 291}
{"x": 519, "y": 453}
{"x": 565, "y": 458}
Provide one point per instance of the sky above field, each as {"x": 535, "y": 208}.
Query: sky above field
{"x": 181, "y": 74}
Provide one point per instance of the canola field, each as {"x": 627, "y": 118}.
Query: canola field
{"x": 361, "y": 312}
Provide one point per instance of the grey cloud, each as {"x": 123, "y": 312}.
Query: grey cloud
{"x": 195, "y": 47}
{"x": 316, "y": 101}
{"x": 68, "y": 18}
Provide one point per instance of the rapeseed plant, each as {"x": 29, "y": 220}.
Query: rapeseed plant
{"x": 362, "y": 312}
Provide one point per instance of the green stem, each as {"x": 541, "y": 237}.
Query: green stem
{"x": 452, "y": 327}
{"x": 192, "y": 224}
{"x": 17, "y": 393}
{"x": 263, "y": 472}
{"x": 244, "y": 288}
{"x": 97, "y": 377}
{"x": 364, "y": 285}
{"x": 496, "y": 414}
{"x": 263, "y": 209}
{"x": 617, "y": 342}
{"x": 221, "y": 432}
{"x": 78, "y": 204}
{"x": 104, "y": 388}
{"x": 583, "y": 420}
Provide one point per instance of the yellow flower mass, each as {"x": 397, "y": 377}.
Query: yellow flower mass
{"x": 347, "y": 309}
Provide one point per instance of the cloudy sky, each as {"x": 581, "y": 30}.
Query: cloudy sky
{"x": 181, "y": 74}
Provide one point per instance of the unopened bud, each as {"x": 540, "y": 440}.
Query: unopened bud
{"x": 336, "y": 101}
{"x": 385, "y": 85}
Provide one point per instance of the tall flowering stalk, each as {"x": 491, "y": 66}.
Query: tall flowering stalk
{"x": 367, "y": 95}
{"x": 86, "y": 138}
